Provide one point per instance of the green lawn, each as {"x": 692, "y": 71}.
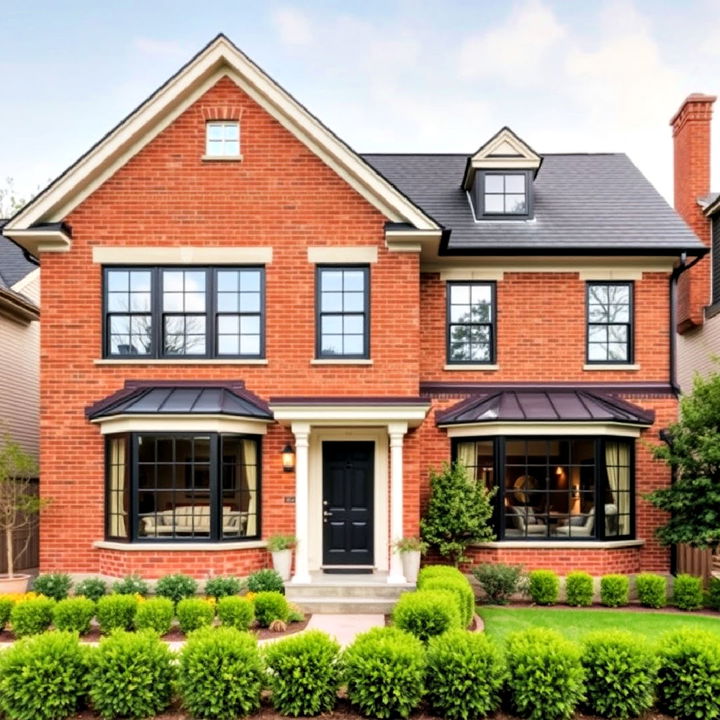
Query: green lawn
{"x": 576, "y": 623}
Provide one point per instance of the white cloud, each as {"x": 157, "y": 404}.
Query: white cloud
{"x": 516, "y": 50}
{"x": 293, "y": 26}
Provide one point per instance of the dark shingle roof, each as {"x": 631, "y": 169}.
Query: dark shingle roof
{"x": 587, "y": 202}
{"x": 14, "y": 266}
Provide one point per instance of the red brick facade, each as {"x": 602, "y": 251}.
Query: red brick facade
{"x": 282, "y": 196}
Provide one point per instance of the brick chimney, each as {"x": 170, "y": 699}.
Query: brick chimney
{"x": 691, "y": 141}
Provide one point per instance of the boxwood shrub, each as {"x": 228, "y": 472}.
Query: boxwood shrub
{"x": 434, "y": 571}
{"x": 222, "y": 586}
{"x": 463, "y": 592}
{"x": 499, "y": 582}
{"x": 235, "y": 611}
{"x": 155, "y": 614}
{"x": 384, "y": 669}
{"x": 266, "y": 581}
{"x": 176, "y": 587}
{"x": 543, "y": 587}
{"x": 131, "y": 585}
{"x": 53, "y": 585}
{"x": 687, "y": 592}
{"x": 620, "y": 672}
{"x": 131, "y": 675}
{"x": 116, "y": 612}
{"x": 614, "y": 590}
{"x": 6, "y": 606}
{"x": 579, "y": 589}
{"x": 545, "y": 675}
{"x": 220, "y": 674}
{"x": 304, "y": 673}
{"x": 43, "y": 677}
{"x": 194, "y": 613}
{"x": 651, "y": 590}
{"x": 713, "y": 596}
{"x": 426, "y": 613}
{"x": 31, "y": 616}
{"x": 74, "y": 614}
{"x": 93, "y": 588}
{"x": 465, "y": 675}
{"x": 689, "y": 675}
{"x": 270, "y": 606}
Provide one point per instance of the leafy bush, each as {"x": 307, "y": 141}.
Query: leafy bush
{"x": 498, "y": 581}
{"x": 687, "y": 592}
{"x": 155, "y": 614}
{"x": 74, "y": 614}
{"x": 220, "y": 674}
{"x": 270, "y": 606}
{"x": 116, "y": 612}
{"x": 131, "y": 675}
{"x": 465, "y": 675}
{"x": 93, "y": 588}
{"x": 6, "y": 606}
{"x": 43, "y": 678}
{"x": 32, "y": 616}
{"x": 579, "y": 589}
{"x": 237, "y": 612}
{"x": 458, "y": 513}
{"x": 222, "y": 586}
{"x": 614, "y": 590}
{"x": 266, "y": 581}
{"x": 131, "y": 585}
{"x": 651, "y": 590}
{"x": 545, "y": 679}
{"x": 176, "y": 587}
{"x": 620, "y": 671}
{"x": 426, "y": 613}
{"x": 385, "y": 672}
{"x": 434, "y": 571}
{"x": 295, "y": 614}
{"x": 194, "y": 613}
{"x": 543, "y": 587}
{"x": 688, "y": 683}
{"x": 53, "y": 585}
{"x": 713, "y": 596}
{"x": 463, "y": 592}
{"x": 276, "y": 543}
{"x": 304, "y": 673}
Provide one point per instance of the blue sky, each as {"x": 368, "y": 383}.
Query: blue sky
{"x": 386, "y": 76}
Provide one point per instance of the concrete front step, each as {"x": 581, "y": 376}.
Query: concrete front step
{"x": 297, "y": 593}
{"x": 346, "y": 606}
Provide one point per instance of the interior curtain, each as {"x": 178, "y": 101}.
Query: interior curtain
{"x": 617, "y": 461}
{"x": 466, "y": 455}
{"x": 118, "y": 512}
{"x": 250, "y": 459}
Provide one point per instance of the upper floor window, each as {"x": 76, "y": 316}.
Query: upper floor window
{"x": 184, "y": 312}
{"x": 505, "y": 194}
{"x": 222, "y": 138}
{"x": 343, "y": 312}
{"x": 609, "y": 322}
{"x": 470, "y": 322}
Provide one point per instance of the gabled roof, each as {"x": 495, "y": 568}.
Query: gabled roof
{"x": 218, "y": 59}
{"x": 544, "y": 406}
{"x": 592, "y": 204}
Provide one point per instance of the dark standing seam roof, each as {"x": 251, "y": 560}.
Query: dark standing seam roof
{"x": 14, "y": 266}
{"x": 545, "y": 406}
{"x": 593, "y": 201}
{"x": 159, "y": 399}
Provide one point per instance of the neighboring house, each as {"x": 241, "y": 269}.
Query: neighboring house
{"x": 228, "y": 286}
{"x": 698, "y": 340}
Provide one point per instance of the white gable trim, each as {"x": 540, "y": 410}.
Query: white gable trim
{"x": 221, "y": 58}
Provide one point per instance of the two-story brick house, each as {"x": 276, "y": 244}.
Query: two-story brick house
{"x": 228, "y": 287}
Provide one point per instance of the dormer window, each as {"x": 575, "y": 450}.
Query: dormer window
{"x": 505, "y": 194}
{"x": 222, "y": 139}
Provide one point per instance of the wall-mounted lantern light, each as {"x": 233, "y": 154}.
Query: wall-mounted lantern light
{"x": 288, "y": 458}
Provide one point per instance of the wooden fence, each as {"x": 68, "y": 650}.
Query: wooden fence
{"x": 30, "y": 558}
{"x": 696, "y": 562}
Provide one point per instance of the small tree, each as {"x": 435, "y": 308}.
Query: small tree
{"x": 693, "y": 452}
{"x": 458, "y": 513}
{"x": 19, "y": 503}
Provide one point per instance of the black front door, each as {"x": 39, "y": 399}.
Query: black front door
{"x": 348, "y": 503}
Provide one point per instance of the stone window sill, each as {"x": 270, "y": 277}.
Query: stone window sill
{"x": 562, "y": 544}
{"x": 181, "y": 546}
{"x": 184, "y": 361}
{"x": 222, "y": 158}
{"x": 613, "y": 366}
{"x": 340, "y": 361}
{"x": 472, "y": 366}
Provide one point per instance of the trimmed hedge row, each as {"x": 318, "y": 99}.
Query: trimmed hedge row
{"x": 221, "y": 672}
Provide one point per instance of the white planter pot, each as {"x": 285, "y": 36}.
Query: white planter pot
{"x": 411, "y": 565}
{"x": 17, "y": 584}
{"x": 282, "y": 562}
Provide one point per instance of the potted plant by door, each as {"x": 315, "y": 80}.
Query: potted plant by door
{"x": 281, "y": 547}
{"x": 410, "y": 549}
{"x": 20, "y": 507}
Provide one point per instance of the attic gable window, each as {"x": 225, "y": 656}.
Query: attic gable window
{"x": 222, "y": 139}
{"x": 505, "y": 194}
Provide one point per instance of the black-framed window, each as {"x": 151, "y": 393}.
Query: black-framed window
{"x": 470, "y": 322}
{"x": 555, "y": 488}
{"x": 609, "y": 322}
{"x": 343, "y": 311}
{"x": 202, "y": 487}
{"x": 505, "y": 193}
{"x": 184, "y": 312}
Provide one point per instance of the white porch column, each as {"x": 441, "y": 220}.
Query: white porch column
{"x": 396, "y": 431}
{"x": 301, "y": 431}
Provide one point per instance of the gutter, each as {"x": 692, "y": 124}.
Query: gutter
{"x": 17, "y": 308}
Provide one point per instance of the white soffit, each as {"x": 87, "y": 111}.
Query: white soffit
{"x": 350, "y": 415}
{"x": 553, "y": 428}
{"x": 192, "y": 423}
